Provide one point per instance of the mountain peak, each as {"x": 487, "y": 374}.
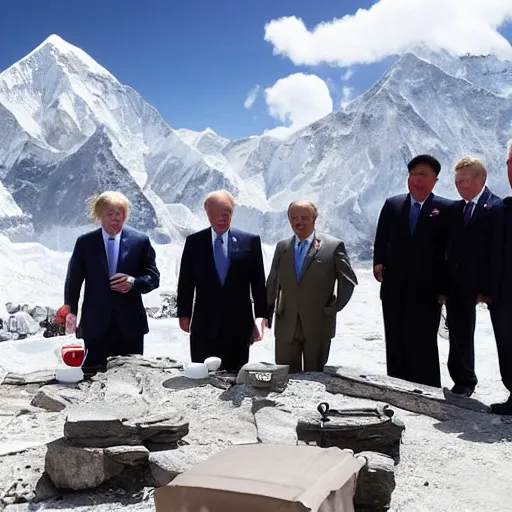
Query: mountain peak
{"x": 62, "y": 50}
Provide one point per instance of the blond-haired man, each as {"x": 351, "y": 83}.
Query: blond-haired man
{"x": 117, "y": 264}
{"x": 223, "y": 267}
{"x": 470, "y": 224}
{"x": 309, "y": 282}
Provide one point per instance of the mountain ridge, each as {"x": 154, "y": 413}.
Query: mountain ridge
{"x": 347, "y": 162}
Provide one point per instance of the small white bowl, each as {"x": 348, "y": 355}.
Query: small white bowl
{"x": 69, "y": 375}
{"x": 213, "y": 363}
{"x": 196, "y": 371}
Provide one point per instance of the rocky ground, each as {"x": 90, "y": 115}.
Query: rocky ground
{"x": 462, "y": 464}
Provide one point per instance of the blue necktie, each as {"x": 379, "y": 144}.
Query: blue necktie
{"x": 413, "y": 217}
{"x": 300, "y": 253}
{"x": 468, "y": 209}
{"x": 111, "y": 256}
{"x": 221, "y": 259}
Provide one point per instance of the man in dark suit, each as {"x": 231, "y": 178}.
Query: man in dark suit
{"x": 224, "y": 267}
{"x": 500, "y": 291}
{"x": 408, "y": 255}
{"x": 118, "y": 265}
{"x": 468, "y": 251}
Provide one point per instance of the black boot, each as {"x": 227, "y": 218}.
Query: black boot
{"x": 504, "y": 408}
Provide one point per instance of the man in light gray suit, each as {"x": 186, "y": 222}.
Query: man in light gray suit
{"x": 300, "y": 288}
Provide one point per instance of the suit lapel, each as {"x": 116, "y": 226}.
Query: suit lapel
{"x": 404, "y": 215}
{"x": 101, "y": 251}
{"x": 424, "y": 212}
{"x": 479, "y": 207}
{"x": 124, "y": 249}
{"x": 210, "y": 256}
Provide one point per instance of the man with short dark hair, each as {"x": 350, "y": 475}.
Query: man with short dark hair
{"x": 470, "y": 229}
{"x": 500, "y": 291}
{"x": 408, "y": 260}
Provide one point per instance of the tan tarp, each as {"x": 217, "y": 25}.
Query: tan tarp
{"x": 265, "y": 478}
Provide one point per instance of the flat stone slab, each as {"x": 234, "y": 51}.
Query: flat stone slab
{"x": 39, "y": 377}
{"x": 97, "y": 426}
{"x": 128, "y": 455}
{"x": 56, "y": 397}
{"x": 275, "y": 424}
{"x": 441, "y": 405}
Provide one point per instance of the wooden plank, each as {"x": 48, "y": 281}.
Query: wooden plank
{"x": 436, "y": 403}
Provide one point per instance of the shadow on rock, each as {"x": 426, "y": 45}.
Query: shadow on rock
{"x": 237, "y": 394}
{"x": 479, "y": 428}
{"x": 181, "y": 382}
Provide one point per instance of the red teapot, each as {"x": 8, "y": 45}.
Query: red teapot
{"x": 73, "y": 355}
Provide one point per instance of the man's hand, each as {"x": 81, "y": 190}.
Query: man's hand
{"x": 185, "y": 324}
{"x": 70, "y": 323}
{"x": 377, "y": 272}
{"x": 442, "y": 299}
{"x": 483, "y": 299}
{"x": 259, "y": 329}
{"x": 121, "y": 283}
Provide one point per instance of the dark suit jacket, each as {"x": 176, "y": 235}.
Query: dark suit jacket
{"x": 89, "y": 263}
{"x": 227, "y": 308}
{"x": 417, "y": 260}
{"x": 469, "y": 247}
{"x": 499, "y": 271}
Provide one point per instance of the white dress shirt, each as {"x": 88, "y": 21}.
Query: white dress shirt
{"x": 309, "y": 241}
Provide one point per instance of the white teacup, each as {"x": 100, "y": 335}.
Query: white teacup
{"x": 196, "y": 371}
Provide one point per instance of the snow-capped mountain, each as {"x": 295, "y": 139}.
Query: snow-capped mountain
{"x": 73, "y": 130}
{"x": 60, "y": 99}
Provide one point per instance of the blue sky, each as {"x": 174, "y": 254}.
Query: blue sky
{"x": 196, "y": 60}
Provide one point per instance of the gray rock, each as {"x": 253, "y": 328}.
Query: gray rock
{"x": 275, "y": 424}
{"x": 267, "y": 376}
{"x": 77, "y": 468}
{"x": 56, "y": 397}
{"x": 441, "y": 405}
{"x": 168, "y": 464}
{"x": 133, "y": 361}
{"x": 22, "y": 478}
{"x": 375, "y": 484}
{"x": 167, "y": 427}
{"x": 99, "y": 427}
{"x": 39, "y": 377}
{"x": 127, "y": 455}
{"x": 104, "y": 426}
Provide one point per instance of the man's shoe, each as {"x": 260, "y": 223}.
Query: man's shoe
{"x": 459, "y": 389}
{"x": 504, "y": 408}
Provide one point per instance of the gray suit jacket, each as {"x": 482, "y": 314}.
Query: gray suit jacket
{"x": 313, "y": 297}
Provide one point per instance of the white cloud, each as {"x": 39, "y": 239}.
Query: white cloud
{"x": 347, "y": 94}
{"x": 394, "y": 26}
{"x": 251, "y": 97}
{"x": 347, "y": 75}
{"x": 297, "y": 100}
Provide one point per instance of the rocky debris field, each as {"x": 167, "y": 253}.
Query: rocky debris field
{"x": 105, "y": 443}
